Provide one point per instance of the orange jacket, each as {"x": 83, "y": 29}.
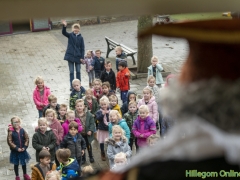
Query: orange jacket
{"x": 37, "y": 173}
{"x": 122, "y": 79}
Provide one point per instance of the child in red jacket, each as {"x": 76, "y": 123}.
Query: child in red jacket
{"x": 123, "y": 77}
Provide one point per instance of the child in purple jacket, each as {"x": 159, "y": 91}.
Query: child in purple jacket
{"x": 88, "y": 59}
{"x": 143, "y": 126}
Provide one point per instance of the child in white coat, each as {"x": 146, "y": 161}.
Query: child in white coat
{"x": 118, "y": 143}
{"x": 155, "y": 70}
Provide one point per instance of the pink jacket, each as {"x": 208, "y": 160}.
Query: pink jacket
{"x": 145, "y": 127}
{"x": 66, "y": 124}
{"x": 57, "y": 130}
{"x": 152, "y": 106}
{"x": 37, "y": 98}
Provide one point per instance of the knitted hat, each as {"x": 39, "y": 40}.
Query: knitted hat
{"x": 214, "y": 48}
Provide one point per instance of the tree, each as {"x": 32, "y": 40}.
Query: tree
{"x": 145, "y": 51}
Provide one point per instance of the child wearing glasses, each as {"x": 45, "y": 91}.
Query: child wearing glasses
{"x": 18, "y": 141}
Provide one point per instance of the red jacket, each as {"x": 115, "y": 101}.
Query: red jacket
{"x": 122, "y": 79}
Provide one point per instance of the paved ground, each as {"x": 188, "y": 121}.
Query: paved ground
{"x": 24, "y": 56}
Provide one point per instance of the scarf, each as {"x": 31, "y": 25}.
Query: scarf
{"x": 105, "y": 117}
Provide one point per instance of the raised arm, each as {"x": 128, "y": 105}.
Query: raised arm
{"x": 64, "y": 29}
{"x": 159, "y": 67}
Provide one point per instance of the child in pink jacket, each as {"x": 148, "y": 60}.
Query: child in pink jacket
{"x": 71, "y": 117}
{"x": 40, "y": 95}
{"x": 56, "y": 127}
{"x": 149, "y": 100}
{"x": 143, "y": 126}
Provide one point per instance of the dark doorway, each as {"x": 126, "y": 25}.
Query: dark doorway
{"x": 22, "y": 26}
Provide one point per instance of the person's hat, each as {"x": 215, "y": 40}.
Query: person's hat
{"x": 214, "y": 47}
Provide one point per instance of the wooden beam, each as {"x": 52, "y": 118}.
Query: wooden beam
{"x": 25, "y": 9}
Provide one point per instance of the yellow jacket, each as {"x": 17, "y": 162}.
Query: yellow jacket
{"x": 117, "y": 107}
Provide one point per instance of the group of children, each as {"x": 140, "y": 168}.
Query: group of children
{"x": 97, "y": 68}
{"x": 63, "y": 135}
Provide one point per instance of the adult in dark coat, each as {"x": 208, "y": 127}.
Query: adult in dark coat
{"x": 204, "y": 141}
{"x": 75, "y": 50}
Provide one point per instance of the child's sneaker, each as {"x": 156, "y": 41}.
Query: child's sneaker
{"x": 17, "y": 178}
{"x": 26, "y": 177}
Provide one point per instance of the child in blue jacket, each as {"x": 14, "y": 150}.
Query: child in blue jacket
{"x": 116, "y": 119}
{"x": 120, "y": 56}
{"x": 98, "y": 64}
{"x": 69, "y": 167}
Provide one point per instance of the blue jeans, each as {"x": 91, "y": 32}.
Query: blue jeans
{"x": 40, "y": 113}
{"x": 91, "y": 76}
{"x": 71, "y": 70}
{"x": 124, "y": 96}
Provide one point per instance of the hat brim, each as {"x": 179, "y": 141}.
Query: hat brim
{"x": 211, "y": 31}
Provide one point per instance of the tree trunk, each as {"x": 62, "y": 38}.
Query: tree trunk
{"x": 145, "y": 51}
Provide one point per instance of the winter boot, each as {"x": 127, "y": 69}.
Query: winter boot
{"x": 26, "y": 177}
{"x": 83, "y": 158}
{"x": 91, "y": 159}
{"x": 89, "y": 148}
{"x": 103, "y": 157}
